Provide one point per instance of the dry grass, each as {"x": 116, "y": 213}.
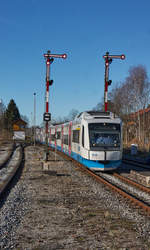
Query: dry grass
{"x": 143, "y": 149}
{"x": 5, "y": 135}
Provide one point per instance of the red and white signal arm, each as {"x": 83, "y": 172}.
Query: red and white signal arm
{"x": 115, "y": 56}
{"x": 64, "y": 56}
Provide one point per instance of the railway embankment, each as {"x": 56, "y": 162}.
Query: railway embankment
{"x": 139, "y": 165}
{"x": 6, "y": 149}
{"x": 62, "y": 208}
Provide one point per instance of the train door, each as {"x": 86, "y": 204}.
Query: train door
{"x": 62, "y": 137}
{"x": 69, "y": 143}
{"x": 84, "y": 141}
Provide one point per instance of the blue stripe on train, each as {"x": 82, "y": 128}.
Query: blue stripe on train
{"x": 96, "y": 164}
{"x": 91, "y": 164}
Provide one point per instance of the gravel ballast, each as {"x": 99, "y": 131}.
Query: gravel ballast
{"x": 63, "y": 208}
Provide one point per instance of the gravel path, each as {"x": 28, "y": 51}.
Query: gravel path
{"x": 62, "y": 208}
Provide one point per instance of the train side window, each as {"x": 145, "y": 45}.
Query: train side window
{"x": 66, "y": 139}
{"x": 53, "y": 137}
{"x": 83, "y": 136}
{"x": 75, "y": 137}
{"x": 58, "y": 135}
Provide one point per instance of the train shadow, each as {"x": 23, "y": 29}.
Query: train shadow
{"x": 128, "y": 166}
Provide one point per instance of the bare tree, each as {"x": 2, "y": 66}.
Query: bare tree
{"x": 72, "y": 114}
{"x": 2, "y": 112}
{"x": 139, "y": 96}
{"x": 2, "y": 107}
{"x": 131, "y": 96}
{"x": 139, "y": 88}
{"x": 100, "y": 105}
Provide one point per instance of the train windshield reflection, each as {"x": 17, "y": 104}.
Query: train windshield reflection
{"x": 102, "y": 135}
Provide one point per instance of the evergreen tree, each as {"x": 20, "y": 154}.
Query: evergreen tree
{"x": 12, "y": 114}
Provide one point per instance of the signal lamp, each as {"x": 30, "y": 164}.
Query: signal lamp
{"x": 110, "y": 60}
{"x": 109, "y": 82}
{"x": 50, "y": 82}
{"x": 122, "y": 57}
{"x": 51, "y": 60}
{"x": 64, "y": 56}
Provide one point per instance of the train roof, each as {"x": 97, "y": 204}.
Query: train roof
{"x": 92, "y": 114}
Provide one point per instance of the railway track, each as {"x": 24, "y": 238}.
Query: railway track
{"x": 10, "y": 162}
{"x": 140, "y": 199}
{"x": 6, "y": 150}
{"x": 133, "y": 183}
{"x": 136, "y": 194}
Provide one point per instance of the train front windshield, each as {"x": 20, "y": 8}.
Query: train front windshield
{"x": 104, "y": 135}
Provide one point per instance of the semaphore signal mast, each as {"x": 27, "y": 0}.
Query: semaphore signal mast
{"x": 108, "y": 60}
{"x": 47, "y": 116}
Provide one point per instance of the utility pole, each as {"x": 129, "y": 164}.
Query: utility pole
{"x": 34, "y": 117}
{"x": 108, "y": 60}
{"x": 47, "y": 116}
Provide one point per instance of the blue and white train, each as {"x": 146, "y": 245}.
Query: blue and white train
{"x": 93, "y": 138}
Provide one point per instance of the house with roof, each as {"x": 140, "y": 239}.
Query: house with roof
{"x": 19, "y": 129}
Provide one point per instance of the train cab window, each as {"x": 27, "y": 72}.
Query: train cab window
{"x": 102, "y": 135}
{"x": 83, "y": 136}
